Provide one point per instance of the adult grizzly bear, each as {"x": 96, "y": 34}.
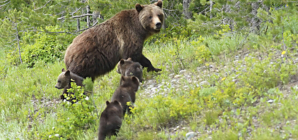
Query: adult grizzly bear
{"x": 97, "y": 50}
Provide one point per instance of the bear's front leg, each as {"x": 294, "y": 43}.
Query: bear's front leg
{"x": 145, "y": 62}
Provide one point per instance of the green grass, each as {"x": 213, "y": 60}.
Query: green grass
{"x": 238, "y": 87}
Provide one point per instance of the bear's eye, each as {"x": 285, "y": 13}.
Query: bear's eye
{"x": 59, "y": 81}
{"x": 160, "y": 16}
{"x": 150, "y": 17}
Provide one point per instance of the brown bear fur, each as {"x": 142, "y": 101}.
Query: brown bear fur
{"x": 130, "y": 68}
{"x": 97, "y": 50}
{"x": 126, "y": 92}
{"x": 64, "y": 81}
{"x": 110, "y": 120}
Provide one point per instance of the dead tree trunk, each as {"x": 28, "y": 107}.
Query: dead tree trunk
{"x": 18, "y": 41}
{"x": 255, "y": 22}
{"x": 78, "y": 24}
{"x": 211, "y": 4}
{"x": 88, "y": 18}
{"x": 186, "y": 12}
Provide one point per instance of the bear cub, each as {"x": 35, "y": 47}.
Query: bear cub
{"x": 64, "y": 81}
{"x": 130, "y": 68}
{"x": 126, "y": 92}
{"x": 110, "y": 120}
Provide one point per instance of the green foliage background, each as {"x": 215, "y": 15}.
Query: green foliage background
{"x": 243, "y": 83}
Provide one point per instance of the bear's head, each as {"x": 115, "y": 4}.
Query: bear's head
{"x": 151, "y": 16}
{"x": 123, "y": 65}
{"x": 63, "y": 79}
{"x": 114, "y": 107}
{"x": 130, "y": 81}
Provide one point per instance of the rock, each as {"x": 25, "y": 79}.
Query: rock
{"x": 177, "y": 76}
{"x": 236, "y": 57}
{"x": 270, "y": 101}
{"x": 190, "y": 135}
{"x": 182, "y": 71}
{"x": 204, "y": 83}
{"x": 176, "y": 128}
{"x": 173, "y": 81}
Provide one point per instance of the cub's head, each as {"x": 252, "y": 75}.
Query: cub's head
{"x": 130, "y": 81}
{"x": 63, "y": 79}
{"x": 151, "y": 16}
{"x": 114, "y": 107}
{"x": 123, "y": 65}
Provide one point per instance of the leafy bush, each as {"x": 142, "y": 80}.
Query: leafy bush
{"x": 160, "y": 110}
{"x": 41, "y": 46}
{"x": 75, "y": 118}
{"x": 202, "y": 52}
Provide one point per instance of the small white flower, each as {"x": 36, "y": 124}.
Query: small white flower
{"x": 50, "y": 136}
{"x": 57, "y": 135}
{"x": 53, "y": 127}
{"x": 87, "y": 98}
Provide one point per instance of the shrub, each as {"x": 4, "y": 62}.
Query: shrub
{"x": 41, "y": 46}
{"x": 76, "y": 118}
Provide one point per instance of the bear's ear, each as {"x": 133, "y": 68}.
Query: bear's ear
{"x": 63, "y": 70}
{"x": 121, "y": 61}
{"x": 107, "y": 102}
{"x": 139, "y": 7}
{"x": 138, "y": 69}
{"x": 116, "y": 102}
{"x": 129, "y": 59}
{"x": 135, "y": 80}
{"x": 67, "y": 73}
{"x": 158, "y": 3}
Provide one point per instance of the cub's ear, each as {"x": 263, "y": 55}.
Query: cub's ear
{"x": 158, "y": 3}
{"x": 121, "y": 61}
{"x": 67, "y": 73}
{"x": 139, "y": 7}
{"x": 63, "y": 70}
{"x": 107, "y": 102}
{"x": 116, "y": 102}
{"x": 135, "y": 80}
{"x": 129, "y": 59}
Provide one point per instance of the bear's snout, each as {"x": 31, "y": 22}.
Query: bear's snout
{"x": 57, "y": 87}
{"x": 158, "y": 25}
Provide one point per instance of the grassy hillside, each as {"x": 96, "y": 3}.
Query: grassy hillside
{"x": 240, "y": 86}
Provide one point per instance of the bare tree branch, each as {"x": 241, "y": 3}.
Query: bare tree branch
{"x": 5, "y": 1}
{"x": 43, "y": 5}
{"x": 75, "y": 32}
{"x": 4, "y": 4}
{"x": 75, "y": 11}
{"x": 83, "y": 15}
